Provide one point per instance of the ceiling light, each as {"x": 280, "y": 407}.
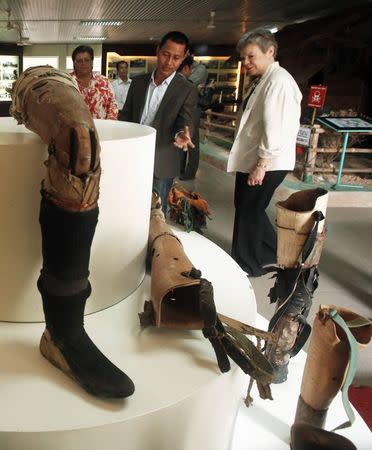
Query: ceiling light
{"x": 90, "y": 38}
{"x": 273, "y": 29}
{"x": 102, "y": 23}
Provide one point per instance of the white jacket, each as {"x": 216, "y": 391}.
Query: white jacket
{"x": 269, "y": 124}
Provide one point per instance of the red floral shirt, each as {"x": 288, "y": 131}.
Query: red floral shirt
{"x": 99, "y": 97}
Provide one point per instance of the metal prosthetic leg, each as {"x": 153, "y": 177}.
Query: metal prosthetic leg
{"x": 301, "y": 233}
{"x": 330, "y": 366}
{"x": 49, "y": 103}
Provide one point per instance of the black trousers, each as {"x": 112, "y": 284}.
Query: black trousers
{"x": 254, "y": 238}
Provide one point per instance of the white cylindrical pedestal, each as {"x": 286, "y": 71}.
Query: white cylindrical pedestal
{"x": 117, "y": 263}
{"x": 182, "y": 401}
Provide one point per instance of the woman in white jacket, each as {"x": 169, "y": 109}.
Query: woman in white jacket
{"x": 264, "y": 149}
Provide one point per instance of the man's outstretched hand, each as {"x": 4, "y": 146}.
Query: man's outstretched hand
{"x": 183, "y": 139}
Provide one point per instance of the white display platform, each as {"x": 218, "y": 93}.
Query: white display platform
{"x": 120, "y": 242}
{"x": 181, "y": 401}
{"x": 266, "y": 424}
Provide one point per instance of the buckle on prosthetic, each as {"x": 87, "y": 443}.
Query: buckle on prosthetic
{"x": 181, "y": 298}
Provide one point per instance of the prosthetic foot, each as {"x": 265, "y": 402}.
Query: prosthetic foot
{"x": 64, "y": 288}
{"x": 307, "y": 437}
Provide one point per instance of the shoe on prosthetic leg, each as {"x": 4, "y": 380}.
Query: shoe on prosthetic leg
{"x": 301, "y": 233}
{"x": 64, "y": 287}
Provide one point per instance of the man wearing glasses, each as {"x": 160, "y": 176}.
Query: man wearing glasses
{"x": 95, "y": 88}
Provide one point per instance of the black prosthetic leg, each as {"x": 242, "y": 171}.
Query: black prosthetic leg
{"x": 64, "y": 287}
{"x": 292, "y": 292}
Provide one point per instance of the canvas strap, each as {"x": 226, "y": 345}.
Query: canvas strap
{"x": 353, "y": 361}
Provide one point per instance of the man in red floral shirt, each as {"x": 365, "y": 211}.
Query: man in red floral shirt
{"x": 95, "y": 88}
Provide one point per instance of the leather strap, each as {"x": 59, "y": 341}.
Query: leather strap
{"x": 311, "y": 240}
{"x": 351, "y": 369}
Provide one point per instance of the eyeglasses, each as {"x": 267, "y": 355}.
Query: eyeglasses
{"x": 82, "y": 61}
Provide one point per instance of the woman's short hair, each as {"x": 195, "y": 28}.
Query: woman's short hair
{"x": 264, "y": 39}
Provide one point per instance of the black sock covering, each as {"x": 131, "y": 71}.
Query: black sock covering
{"x": 67, "y": 238}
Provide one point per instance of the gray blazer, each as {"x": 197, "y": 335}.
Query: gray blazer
{"x": 176, "y": 110}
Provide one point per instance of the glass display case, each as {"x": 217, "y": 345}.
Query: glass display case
{"x": 9, "y": 71}
{"x": 138, "y": 65}
{"x": 225, "y": 72}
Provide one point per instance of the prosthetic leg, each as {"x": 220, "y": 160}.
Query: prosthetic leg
{"x": 301, "y": 234}
{"x": 181, "y": 298}
{"x": 330, "y": 366}
{"x": 49, "y": 103}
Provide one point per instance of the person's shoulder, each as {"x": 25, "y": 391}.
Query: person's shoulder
{"x": 280, "y": 77}
{"x": 280, "y": 74}
{"x": 100, "y": 78}
{"x": 182, "y": 81}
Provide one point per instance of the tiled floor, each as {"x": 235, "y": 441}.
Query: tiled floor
{"x": 345, "y": 267}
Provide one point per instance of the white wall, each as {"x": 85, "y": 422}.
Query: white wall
{"x": 60, "y": 50}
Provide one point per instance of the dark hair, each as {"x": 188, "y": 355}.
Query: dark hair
{"x": 121, "y": 62}
{"x": 177, "y": 37}
{"x": 188, "y": 61}
{"x": 261, "y": 37}
{"x": 82, "y": 49}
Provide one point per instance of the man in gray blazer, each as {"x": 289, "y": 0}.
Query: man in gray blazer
{"x": 166, "y": 101}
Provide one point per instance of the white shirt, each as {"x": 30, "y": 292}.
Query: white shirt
{"x": 269, "y": 124}
{"x": 154, "y": 97}
{"x": 121, "y": 89}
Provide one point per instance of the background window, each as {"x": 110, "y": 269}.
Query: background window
{"x": 30, "y": 61}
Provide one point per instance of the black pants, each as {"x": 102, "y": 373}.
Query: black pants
{"x": 254, "y": 238}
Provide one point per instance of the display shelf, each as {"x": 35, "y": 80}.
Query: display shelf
{"x": 9, "y": 72}
{"x": 138, "y": 65}
{"x": 225, "y": 72}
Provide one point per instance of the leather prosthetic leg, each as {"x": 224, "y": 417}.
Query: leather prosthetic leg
{"x": 301, "y": 233}
{"x": 330, "y": 366}
{"x": 181, "y": 298}
{"x": 49, "y": 103}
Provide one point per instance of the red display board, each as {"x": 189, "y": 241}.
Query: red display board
{"x": 317, "y": 96}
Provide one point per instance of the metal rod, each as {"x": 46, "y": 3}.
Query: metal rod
{"x": 341, "y": 165}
